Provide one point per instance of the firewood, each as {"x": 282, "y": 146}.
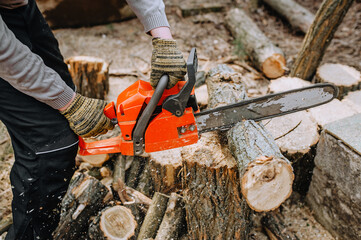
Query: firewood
{"x": 154, "y": 216}
{"x": 330, "y": 112}
{"x": 173, "y": 223}
{"x": 95, "y": 160}
{"x": 264, "y": 54}
{"x": 344, "y": 77}
{"x": 296, "y": 135}
{"x": 114, "y": 222}
{"x": 334, "y": 195}
{"x": 145, "y": 184}
{"x": 84, "y": 198}
{"x": 165, "y": 170}
{"x": 299, "y": 17}
{"x": 276, "y": 228}
{"x": 353, "y": 100}
{"x": 319, "y": 36}
{"x": 286, "y": 83}
{"x": 90, "y": 75}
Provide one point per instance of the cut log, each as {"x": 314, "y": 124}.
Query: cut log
{"x": 202, "y": 96}
{"x": 330, "y": 112}
{"x": 319, "y": 36}
{"x": 90, "y": 75}
{"x": 286, "y": 83}
{"x": 353, "y": 100}
{"x": 344, "y": 77}
{"x": 154, "y": 216}
{"x": 84, "y": 198}
{"x": 264, "y": 54}
{"x": 173, "y": 223}
{"x": 299, "y": 17}
{"x": 95, "y": 160}
{"x": 115, "y": 222}
{"x": 135, "y": 169}
{"x": 276, "y": 228}
{"x": 333, "y": 196}
{"x": 212, "y": 175}
{"x": 145, "y": 184}
{"x": 296, "y": 135}
{"x": 165, "y": 170}
{"x": 192, "y": 9}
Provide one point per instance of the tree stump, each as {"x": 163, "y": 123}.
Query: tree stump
{"x": 319, "y": 36}
{"x": 114, "y": 222}
{"x": 165, "y": 170}
{"x": 334, "y": 195}
{"x": 214, "y": 205}
{"x": 286, "y": 83}
{"x": 299, "y": 17}
{"x": 264, "y": 54}
{"x": 344, "y": 77}
{"x": 90, "y": 75}
{"x": 84, "y": 198}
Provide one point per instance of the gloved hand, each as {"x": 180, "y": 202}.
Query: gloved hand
{"x": 167, "y": 59}
{"x": 86, "y": 117}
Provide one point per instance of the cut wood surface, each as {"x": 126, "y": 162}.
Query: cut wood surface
{"x": 165, "y": 167}
{"x": 319, "y": 36}
{"x": 346, "y": 78}
{"x": 353, "y": 100}
{"x": 90, "y": 75}
{"x": 333, "y": 196}
{"x": 114, "y": 222}
{"x": 84, "y": 198}
{"x": 286, "y": 83}
{"x": 296, "y": 135}
{"x": 264, "y": 54}
{"x": 299, "y": 17}
{"x": 330, "y": 112}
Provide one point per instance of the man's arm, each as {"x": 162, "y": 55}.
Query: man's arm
{"x": 27, "y": 72}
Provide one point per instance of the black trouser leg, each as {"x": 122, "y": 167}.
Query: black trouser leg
{"x": 44, "y": 145}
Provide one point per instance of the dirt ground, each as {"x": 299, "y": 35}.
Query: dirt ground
{"x": 128, "y": 49}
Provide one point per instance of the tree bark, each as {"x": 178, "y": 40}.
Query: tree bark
{"x": 344, "y": 77}
{"x": 173, "y": 223}
{"x": 165, "y": 170}
{"x": 264, "y": 54}
{"x": 319, "y": 36}
{"x": 84, "y": 198}
{"x": 154, "y": 216}
{"x": 90, "y": 75}
{"x": 299, "y": 17}
{"x": 114, "y": 222}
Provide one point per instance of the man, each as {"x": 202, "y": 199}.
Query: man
{"x": 44, "y": 115}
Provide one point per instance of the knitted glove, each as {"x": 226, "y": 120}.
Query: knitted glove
{"x": 167, "y": 59}
{"x": 86, "y": 118}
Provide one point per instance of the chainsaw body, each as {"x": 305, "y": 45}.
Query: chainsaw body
{"x": 151, "y": 120}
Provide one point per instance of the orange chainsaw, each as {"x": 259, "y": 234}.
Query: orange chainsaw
{"x": 156, "y": 120}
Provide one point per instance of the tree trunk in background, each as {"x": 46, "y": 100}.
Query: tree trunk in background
{"x": 264, "y": 54}
{"x": 318, "y": 37}
{"x": 299, "y": 17}
{"x": 90, "y": 75}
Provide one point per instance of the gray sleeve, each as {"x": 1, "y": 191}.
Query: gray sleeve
{"x": 26, "y": 72}
{"x": 151, "y": 13}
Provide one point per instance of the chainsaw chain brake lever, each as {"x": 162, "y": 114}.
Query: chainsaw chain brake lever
{"x": 142, "y": 123}
{"x": 176, "y": 104}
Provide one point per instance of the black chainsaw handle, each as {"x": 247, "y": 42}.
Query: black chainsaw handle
{"x": 142, "y": 123}
{"x": 176, "y": 104}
